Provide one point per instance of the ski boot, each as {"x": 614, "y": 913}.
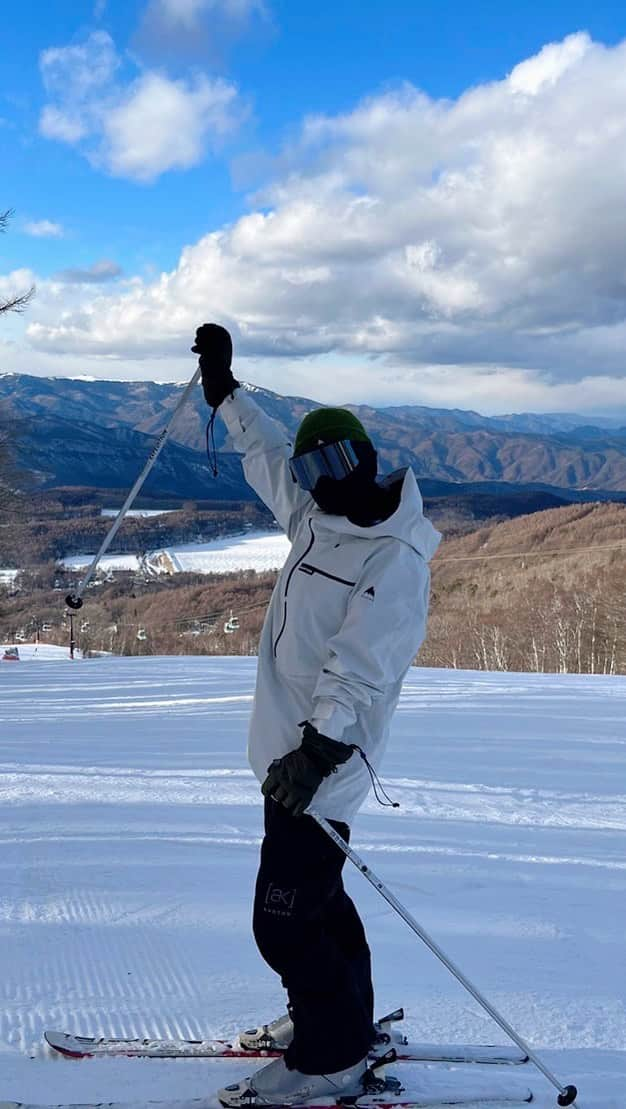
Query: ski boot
{"x": 275, "y": 1085}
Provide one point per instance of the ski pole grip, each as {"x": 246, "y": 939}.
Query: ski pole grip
{"x": 72, "y": 601}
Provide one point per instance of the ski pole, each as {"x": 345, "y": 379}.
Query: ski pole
{"x": 567, "y": 1094}
{"x": 74, "y": 600}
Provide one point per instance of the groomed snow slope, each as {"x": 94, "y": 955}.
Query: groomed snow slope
{"x": 130, "y": 824}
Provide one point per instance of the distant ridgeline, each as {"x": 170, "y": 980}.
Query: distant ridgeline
{"x": 97, "y": 434}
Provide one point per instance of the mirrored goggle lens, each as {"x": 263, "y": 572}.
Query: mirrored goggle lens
{"x": 335, "y": 460}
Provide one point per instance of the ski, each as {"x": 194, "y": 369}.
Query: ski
{"x": 367, "y": 1101}
{"x": 483, "y": 1054}
{"x": 86, "y": 1047}
{"x": 81, "y": 1047}
{"x": 430, "y": 1090}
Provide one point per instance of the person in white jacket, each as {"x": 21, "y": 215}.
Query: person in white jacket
{"x": 346, "y": 619}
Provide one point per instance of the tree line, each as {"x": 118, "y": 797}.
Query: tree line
{"x": 517, "y": 618}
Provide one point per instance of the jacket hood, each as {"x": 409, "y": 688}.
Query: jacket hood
{"x": 407, "y": 523}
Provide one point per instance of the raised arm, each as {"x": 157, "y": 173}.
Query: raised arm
{"x": 266, "y": 450}
{"x": 262, "y": 441}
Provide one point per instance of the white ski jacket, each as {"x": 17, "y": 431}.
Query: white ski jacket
{"x": 345, "y": 621}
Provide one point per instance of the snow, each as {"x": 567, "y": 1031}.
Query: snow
{"x": 140, "y": 512}
{"x": 108, "y": 562}
{"x": 253, "y": 550}
{"x": 38, "y": 652}
{"x": 7, "y": 577}
{"x": 130, "y": 826}
{"x": 250, "y": 550}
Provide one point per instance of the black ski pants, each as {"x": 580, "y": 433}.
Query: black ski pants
{"x": 308, "y": 930}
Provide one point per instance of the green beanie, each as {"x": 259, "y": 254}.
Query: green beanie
{"x": 328, "y": 425}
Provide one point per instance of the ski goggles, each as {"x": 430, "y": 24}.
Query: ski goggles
{"x": 334, "y": 460}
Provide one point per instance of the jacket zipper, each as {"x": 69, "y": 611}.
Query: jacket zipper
{"x": 306, "y": 568}
{"x": 291, "y": 573}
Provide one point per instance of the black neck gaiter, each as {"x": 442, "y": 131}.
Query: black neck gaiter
{"x": 357, "y": 496}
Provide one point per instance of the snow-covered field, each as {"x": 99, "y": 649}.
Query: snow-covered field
{"x": 137, "y": 512}
{"x": 252, "y": 550}
{"x": 36, "y": 652}
{"x": 130, "y": 826}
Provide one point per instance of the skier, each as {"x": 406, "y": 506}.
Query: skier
{"x": 345, "y": 621}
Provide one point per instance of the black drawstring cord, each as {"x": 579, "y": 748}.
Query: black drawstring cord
{"x": 211, "y": 449}
{"x": 376, "y": 782}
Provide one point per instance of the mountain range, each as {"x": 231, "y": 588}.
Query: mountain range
{"x": 75, "y": 432}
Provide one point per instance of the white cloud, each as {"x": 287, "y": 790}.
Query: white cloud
{"x": 44, "y": 229}
{"x": 57, "y": 124}
{"x": 77, "y": 78}
{"x": 461, "y": 249}
{"x": 137, "y": 128}
{"x": 162, "y": 124}
{"x": 549, "y": 65}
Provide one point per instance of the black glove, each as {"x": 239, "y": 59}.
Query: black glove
{"x": 214, "y": 345}
{"x": 294, "y": 779}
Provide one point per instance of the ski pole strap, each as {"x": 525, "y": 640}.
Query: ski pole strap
{"x": 377, "y": 785}
{"x": 211, "y": 449}
{"x": 567, "y": 1094}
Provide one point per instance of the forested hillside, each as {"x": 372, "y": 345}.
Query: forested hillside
{"x": 542, "y": 592}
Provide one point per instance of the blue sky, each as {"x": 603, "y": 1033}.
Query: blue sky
{"x": 104, "y": 203}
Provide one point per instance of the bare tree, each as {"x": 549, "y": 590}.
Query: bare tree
{"x": 15, "y": 303}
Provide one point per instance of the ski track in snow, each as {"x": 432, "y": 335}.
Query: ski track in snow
{"x": 130, "y": 826}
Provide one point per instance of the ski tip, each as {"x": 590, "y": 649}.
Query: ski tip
{"x": 74, "y": 1047}
{"x": 61, "y": 1041}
